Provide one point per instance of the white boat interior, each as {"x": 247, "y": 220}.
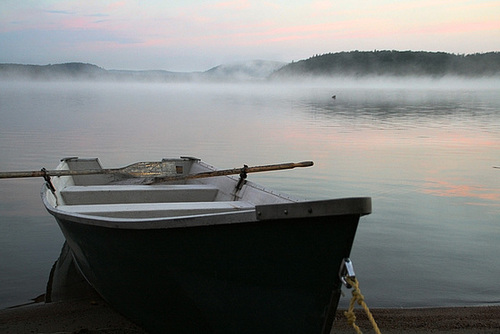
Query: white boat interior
{"x": 117, "y": 196}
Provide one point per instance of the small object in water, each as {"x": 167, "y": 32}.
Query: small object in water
{"x": 334, "y": 97}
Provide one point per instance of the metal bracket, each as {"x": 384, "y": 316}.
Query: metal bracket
{"x": 243, "y": 176}
{"x": 47, "y": 179}
{"x": 346, "y": 271}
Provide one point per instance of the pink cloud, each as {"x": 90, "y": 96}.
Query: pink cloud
{"x": 77, "y": 22}
{"x": 235, "y": 4}
{"x": 456, "y": 27}
{"x": 266, "y": 32}
{"x": 115, "y": 5}
{"x": 241, "y": 23}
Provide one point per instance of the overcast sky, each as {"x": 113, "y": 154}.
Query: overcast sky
{"x": 195, "y": 35}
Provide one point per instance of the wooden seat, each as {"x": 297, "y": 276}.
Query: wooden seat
{"x": 116, "y": 194}
{"x": 156, "y": 210}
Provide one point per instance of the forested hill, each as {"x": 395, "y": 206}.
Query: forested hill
{"x": 394, "y": 63}
{"x": 80, "y": 71}
{"x": 67, "y": 70}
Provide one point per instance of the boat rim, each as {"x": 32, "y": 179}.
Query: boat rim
{"x": 362, "y": 207}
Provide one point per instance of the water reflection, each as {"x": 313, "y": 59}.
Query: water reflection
{"x": 402, "y": 110}
{"x": 425, "y": 156}
{"x": 448, "y": 189}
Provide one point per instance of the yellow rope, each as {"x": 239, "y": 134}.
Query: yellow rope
{"x": 360, "y": 299}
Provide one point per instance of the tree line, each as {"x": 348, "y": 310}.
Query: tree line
{"x": 395, "y": 63}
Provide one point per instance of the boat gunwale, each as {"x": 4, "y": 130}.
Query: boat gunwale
{"x": 195, "y": 220}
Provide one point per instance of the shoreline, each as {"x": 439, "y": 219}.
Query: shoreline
{"x": 94, "y": 315}
{"x": 71, "y": 305}
{"x": 460, "y": 319}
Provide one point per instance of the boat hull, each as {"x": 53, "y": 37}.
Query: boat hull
{"x": 261, "y": 276}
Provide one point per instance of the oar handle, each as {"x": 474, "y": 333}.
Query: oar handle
{"x": 43, "y": 173}
{"x": 289, "y": 165}
{"x": 13, "y": 175}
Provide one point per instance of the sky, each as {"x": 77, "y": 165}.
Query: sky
{"x": 195, "y": 35}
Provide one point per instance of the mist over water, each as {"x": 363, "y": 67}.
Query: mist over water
{"x": 422, "y": 149}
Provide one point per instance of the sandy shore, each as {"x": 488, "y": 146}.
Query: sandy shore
{"x": 77, "y": 316}
{"x": 93, "y": 315}
{"x": 428, "y": 320}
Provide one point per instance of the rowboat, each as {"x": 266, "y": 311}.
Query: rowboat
{"x": 178, "y": 247}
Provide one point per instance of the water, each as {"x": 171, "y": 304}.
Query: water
{"x": 423, "y": 151}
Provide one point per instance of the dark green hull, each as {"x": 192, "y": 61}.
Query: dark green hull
{"x": 262, "y": 276}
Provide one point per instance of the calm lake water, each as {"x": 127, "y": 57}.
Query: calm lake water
{"x": 423, "y": 151}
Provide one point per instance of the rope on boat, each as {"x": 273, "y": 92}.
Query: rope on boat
{"x": 360, "y": 299}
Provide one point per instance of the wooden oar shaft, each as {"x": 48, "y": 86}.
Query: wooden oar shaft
{"x": 63, "y": 172}
{"x": 233, "y": 171}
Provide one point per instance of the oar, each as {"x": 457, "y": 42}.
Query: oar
{"x": 244, "y": 170}
{"x": 159, "y": 170}
{"x": 139, "y": 169}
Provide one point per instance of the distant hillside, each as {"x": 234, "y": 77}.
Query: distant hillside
{"x": 150, "y": 76}
{"x": 254, "y": 69}
{"x": 393, "y": 63}
{"x": 57, "y": 71}
{"x": 352, "y": 64}
{"x": 82, "y": 71}
{"x": 244, "y": 71}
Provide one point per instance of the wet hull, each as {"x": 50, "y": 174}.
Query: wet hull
{"x": 278, "y": 275}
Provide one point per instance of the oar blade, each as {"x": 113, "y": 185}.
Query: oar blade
{"x": 149, "y": 169}
{"x": 139, "y": 169}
